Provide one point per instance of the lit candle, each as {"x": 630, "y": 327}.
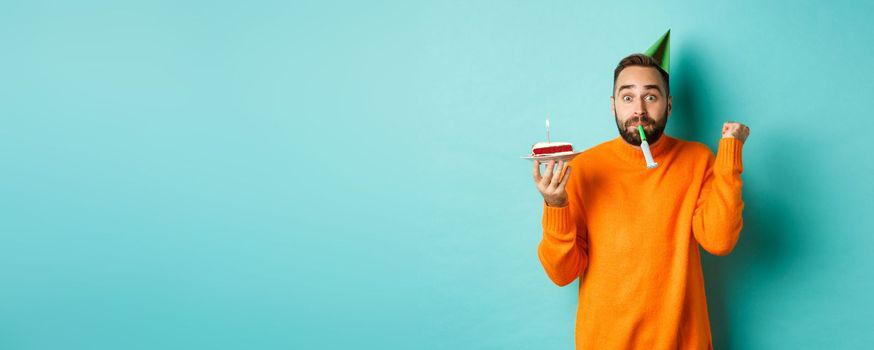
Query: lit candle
{"x": 547, "y": 129}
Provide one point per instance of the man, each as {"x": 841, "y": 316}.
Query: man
{"x": 631, "y": 234}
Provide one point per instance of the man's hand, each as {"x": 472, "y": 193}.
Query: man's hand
{"x": 735, "y": 130}
{"x": 551, "y": 185}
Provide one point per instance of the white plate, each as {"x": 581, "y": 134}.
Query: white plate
{"x": 565, "y": 156}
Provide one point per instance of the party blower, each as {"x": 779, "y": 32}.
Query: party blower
{"x": 650, "y": 163}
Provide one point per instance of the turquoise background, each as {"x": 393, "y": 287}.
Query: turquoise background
{"x": 326, "y": 175}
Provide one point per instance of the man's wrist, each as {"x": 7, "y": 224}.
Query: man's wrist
{"x": 556, "y": 205}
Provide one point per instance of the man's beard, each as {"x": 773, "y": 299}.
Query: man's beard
{"x": 633, "y": 137}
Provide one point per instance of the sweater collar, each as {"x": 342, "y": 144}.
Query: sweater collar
{"x": 635, "y": 155}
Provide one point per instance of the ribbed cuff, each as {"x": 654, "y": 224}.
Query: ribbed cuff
{"x": 729, "y": 156}
{"x": 557, "y": 222}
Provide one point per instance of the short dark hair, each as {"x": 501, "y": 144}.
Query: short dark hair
{"x": 639, "y": 59}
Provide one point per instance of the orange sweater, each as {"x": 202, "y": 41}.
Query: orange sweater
{"x": 631, "y": 234}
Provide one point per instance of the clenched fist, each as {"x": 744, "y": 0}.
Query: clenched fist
{"x": 551, "y": 185}
{"x": 735, "y": 130}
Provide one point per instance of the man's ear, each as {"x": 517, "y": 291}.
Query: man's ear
{"x": 670, "y": 104}
{"x": 613, "y": 105}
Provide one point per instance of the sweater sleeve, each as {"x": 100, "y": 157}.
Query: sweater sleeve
{"x": 562, "y": 249}
{"x": 717, "y": 220}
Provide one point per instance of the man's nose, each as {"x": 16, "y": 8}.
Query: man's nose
{"x": 640, "y": 107}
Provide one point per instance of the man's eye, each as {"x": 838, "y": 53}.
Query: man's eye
{"x": 626, "y": 98}
{"x": 650, "y": 98}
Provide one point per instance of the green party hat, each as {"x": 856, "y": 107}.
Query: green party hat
{"x": 661, "y": 51}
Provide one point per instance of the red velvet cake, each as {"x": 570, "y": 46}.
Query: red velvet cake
{"x": 549, "y": 148}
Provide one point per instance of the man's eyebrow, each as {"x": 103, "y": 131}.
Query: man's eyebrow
{"x": 646, "y": 87}
{"x": 625, "y": 87}
{"x": 653, "y": 87}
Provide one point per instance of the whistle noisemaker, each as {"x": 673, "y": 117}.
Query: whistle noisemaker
{"x": 644, "y": 146}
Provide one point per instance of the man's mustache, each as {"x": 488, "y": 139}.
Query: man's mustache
{"x": 643, "y": 119}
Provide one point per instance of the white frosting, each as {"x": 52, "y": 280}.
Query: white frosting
{"x": 550, "y": 144}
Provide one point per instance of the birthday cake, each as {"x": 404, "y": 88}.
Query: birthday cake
{"x": 551, "y": 148}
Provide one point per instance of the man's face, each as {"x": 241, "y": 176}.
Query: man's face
{"x": 639, "y": 99}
